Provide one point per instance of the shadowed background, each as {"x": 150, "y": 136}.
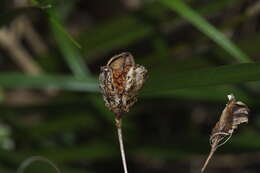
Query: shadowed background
{"x": 196, "y": 51}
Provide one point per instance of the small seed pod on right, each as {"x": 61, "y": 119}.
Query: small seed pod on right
{"x": 235, "y": 113}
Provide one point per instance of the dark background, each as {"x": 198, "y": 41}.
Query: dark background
{"x": 50, "y": 57}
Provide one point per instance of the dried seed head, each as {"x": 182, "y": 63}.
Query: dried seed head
{"x": 120, "y": 81}
{"x": 235, "y": 113}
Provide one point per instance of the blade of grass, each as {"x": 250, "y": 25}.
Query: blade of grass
{"x": 119, "y": 32}
{"x": 229, "y": 74}
{"x": 203, "y": 93}
{"x": 192, "y": 16}
{"x": 69, "y": 51}
{"x": 66, "y": 43}
{"x": 112, "y": 34}
{"x": 16, "y": 80}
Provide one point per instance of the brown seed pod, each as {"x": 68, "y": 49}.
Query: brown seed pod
{"x": 235, "y": 113}
{"x": 120, "y": 80}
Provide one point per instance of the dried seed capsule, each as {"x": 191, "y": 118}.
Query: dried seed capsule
{"x": 235, "y": 113}
{"x": 120, "y": 81}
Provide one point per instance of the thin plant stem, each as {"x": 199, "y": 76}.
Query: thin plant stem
{"x": 212, "y": 151}
{"x": 29, "y": 161}
{"x": 215, "y": 145}
{"x": 120, "y": 139}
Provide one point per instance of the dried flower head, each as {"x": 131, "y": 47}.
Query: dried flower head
{"x": 235, "y": 113}
{"x": 120, "y": 80}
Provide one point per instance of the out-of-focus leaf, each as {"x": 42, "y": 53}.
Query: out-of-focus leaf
{"x": 167, "y": 66}
{"x": 53, "y": 18}
{"x": 115, "y": 34}
{"x": 185, "y": 11}
{"x": 98, "y": 103}
{"x": 91, "y": 151}
{"x": 128, "y": 29}
{"x": 229, "y": 74}
{"x": 65, "y": 42}
{"x": 246, "y": 137}
{"x": 217, "y": 93}
{"x": 69, "y": 51}
{"x": 16, "y": 80}
{"x": 67, "y": 124}
{"x": 1, "y": 95}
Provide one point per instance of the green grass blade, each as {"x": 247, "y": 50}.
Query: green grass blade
{"x": 216, "y": 93}
{"x": 16, "y": 80}
{"x": 53, "y": 18}
{"x": 61, "y": 29}
{"x": 68, "y": 46}
{"x": 229, "y": 74}
{"x": 192, "y": 16}
{"x": 69, "y": 51}
{"x": 117, "y": 33}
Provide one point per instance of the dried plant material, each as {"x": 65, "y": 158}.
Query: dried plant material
{"x": 120, "y": 81}
{"x": 235, "y": 113}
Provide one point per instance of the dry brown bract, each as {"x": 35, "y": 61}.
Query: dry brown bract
{"x": 234, "y": 114}
{"x": 120, "y": 80}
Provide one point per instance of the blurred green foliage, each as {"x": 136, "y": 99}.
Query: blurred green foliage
{"x": 192, "y": 49}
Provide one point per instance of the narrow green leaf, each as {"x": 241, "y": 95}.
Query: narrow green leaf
{"x": 61, "y": 29}
{"x": 216, "y": 93}
{"x": 16, "y": 80}
{"x": 192, "y": 16}
{"x": 53, "y": 18}
{"x": 229, "y": 74}
{"x": 69, "y": 51}
{"x": 66, "y": 42}
{"x": 118, "y": 32}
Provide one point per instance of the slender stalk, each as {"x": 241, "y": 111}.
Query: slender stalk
{"x": 212, "y": 151}
{"x": 120, "y": 139}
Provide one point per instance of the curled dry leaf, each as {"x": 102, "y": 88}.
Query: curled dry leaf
{"x": 120, "y": 80}
{"x": 235, "y": 113}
